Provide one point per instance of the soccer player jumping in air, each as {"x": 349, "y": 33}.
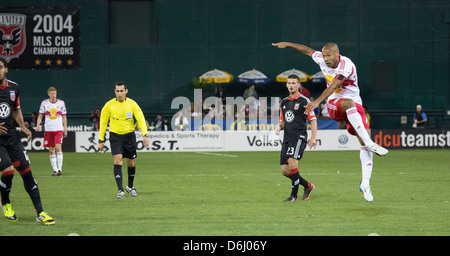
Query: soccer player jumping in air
{"x": 293, "y": 121}
{"x": 343, "y": 102}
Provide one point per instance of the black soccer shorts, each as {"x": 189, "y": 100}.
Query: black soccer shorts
{"x": 124, "y": 144}
{"x": 293, "y": 149}
{"x": 12, "y": 152}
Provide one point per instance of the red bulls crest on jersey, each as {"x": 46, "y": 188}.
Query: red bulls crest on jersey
{"x": 12, "y": 35}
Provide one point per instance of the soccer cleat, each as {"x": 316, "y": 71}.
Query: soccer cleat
{"x": 120, "y": 195}
{"x": 59, "y": 173}
{"x": 45, "y": 219}
{"x": 367, "y": 193}
{"x": 9, "y": 213}
{"x": 308, "y": 191}
{"x": 55, "y": 174}
{"x": 132, "y": 191}
{"x": 291, "y": 199}
{"x": 377, "y": 149}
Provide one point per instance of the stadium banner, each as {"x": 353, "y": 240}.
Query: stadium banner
{"x": 37, "y": 142}
{"x": 249, "y": 124}
{"x": 219, "y": 141}
{"x": 269, "y": 141}
{"x": 412, "y": 138}
{"x": 185, "y": 141}
{"x": 239, "y": 124}
{"x": 40, "y": 38}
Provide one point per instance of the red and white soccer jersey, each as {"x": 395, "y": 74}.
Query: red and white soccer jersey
{"x": 349, "y": 88}
{"x": 53, "y": 112}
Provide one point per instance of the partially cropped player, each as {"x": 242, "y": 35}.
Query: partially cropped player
{"x": 294, "y": 122}
{"x": 12, "y": 152}
{"x": 343, "y": 102}
{"x": 55, "y": 113}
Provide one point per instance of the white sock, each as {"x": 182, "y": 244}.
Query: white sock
{"x": 357, "y": 123}
{"x": 59, "y": 157}
{"x": 367, "y": 165}
{"x": 53, "y": 162}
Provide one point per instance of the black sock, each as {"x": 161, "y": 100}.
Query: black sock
{"x": 118, "y": 176}
{"x": 131, "y": 173}
{"x": 304, "y": 182}
{"x": 5, "y": 187}
{"x": 33, "y": 190}
{"x": 295, "y": 181}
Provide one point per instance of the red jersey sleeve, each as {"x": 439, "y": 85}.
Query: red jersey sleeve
{"x": 311, "y": 115}
{"x": 281, "y": 116}
{"x": 17, "y": 103}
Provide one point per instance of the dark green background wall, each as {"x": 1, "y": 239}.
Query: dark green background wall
{"x": 157, "y": 47}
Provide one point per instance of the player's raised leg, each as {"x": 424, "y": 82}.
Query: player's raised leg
{"x": 355, "y": 119}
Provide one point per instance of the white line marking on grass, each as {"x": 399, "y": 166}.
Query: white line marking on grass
{"x": 216, "y": 154}
{"x": 340, "y": 173}
{"x": 215, "y": 175}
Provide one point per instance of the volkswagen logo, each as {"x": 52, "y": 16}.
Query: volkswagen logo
{"x": 343, "y": 139}
{"x": 289, "y": 116}
{"x": 4, "y": 110}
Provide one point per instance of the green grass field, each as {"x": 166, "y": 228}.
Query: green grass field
{"x": 239, "y": 193}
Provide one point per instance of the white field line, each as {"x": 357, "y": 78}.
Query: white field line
{"x": 216, "y": 154}
{"x": 211, "y": 175}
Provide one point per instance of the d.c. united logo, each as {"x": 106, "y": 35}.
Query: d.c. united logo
{"x": 12, "y": 35}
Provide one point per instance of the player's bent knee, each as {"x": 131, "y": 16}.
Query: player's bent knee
{"x": 8, "y": 170}
{"x": 131, "y": 163}
{"x": 28, "y": 181}
{"x": 23, "y": 169}
{"x": 292, "y": 164}
{"x": 347, "y": 103}
{"x": 118, "y": 159}
{"x": 285, "y": 170}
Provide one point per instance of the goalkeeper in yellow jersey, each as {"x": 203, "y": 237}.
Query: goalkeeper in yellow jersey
{"x": 121, "y": 112}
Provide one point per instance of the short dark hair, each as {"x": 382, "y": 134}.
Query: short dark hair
{"x": 120, "y": 83}
{"x": 294, "y": 77}
{"x": 4, "y": 62}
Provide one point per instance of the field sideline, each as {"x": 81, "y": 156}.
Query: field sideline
{"x": 238, "y": 194}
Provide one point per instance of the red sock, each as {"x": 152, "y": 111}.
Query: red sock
{"x": 293, "y": 171}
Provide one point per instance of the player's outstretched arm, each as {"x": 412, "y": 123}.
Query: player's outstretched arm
{"x": 312, "y": 141}
{"x": 299, "y": 47}
{"x": 335, "y": 83}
